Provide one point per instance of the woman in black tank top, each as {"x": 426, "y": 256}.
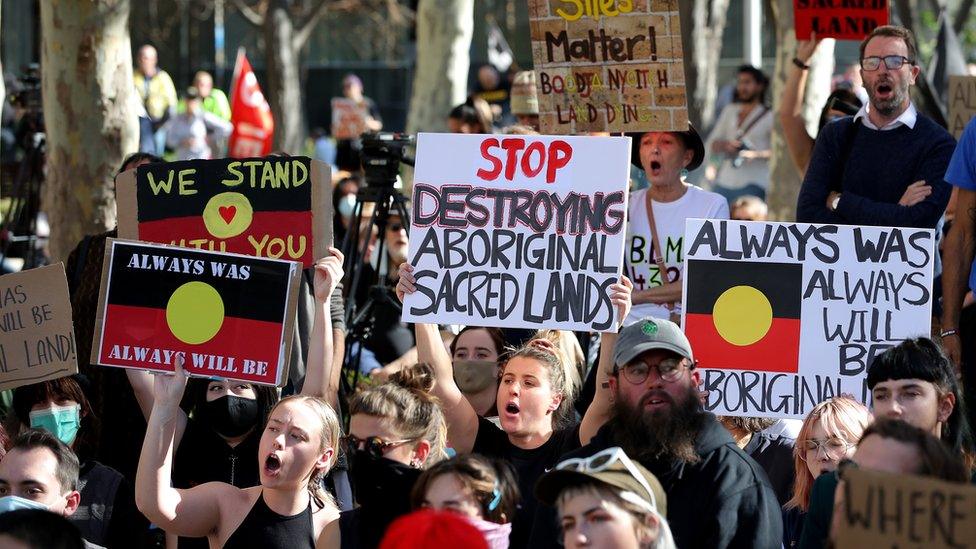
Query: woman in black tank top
{"x": 297, "y": 448}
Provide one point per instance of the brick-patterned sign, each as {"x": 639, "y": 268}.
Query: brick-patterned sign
{"x": 608, "y": 65}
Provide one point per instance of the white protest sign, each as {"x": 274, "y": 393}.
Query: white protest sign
{"x": 518, "y": 231}
{"x": 782, "y": 316}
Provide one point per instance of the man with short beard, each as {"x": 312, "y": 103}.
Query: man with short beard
{"x": 717, "y": 495}
{"x": 886, "y": 165}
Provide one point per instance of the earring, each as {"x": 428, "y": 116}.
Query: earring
{"x": 684, "y": 173}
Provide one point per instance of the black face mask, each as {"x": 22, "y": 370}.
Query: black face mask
{"x": 382, "y": 482}
{"x": 232, "y": 416}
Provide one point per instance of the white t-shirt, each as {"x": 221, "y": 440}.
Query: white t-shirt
{"x": 759, "y": 136}
{"x": 670, "y": 217}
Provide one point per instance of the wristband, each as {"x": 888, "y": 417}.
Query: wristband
{"x": 947, "y": 333}
{"x": 800, "y": 64}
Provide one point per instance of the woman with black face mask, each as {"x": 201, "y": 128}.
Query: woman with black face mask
{"x": 225, "y": 417}
{"x": 396, "y": 430}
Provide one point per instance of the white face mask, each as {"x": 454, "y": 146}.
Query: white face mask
{"x": 17, "y": 503}
{"x": 346, "y": 205}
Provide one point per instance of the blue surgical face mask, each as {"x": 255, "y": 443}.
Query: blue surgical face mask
{"x": 61, "y": 421}
{"x": 346, "y": 205}
{"x": 17, "y": 503}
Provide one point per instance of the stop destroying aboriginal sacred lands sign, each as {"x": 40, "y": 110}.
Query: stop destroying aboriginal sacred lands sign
{"x": 518, "y": 231}
{"x": 782, "y": 316}
{"x": 227, "y": 315}
{"x": 278, "y": 207}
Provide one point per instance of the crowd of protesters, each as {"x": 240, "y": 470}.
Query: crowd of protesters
{"x": 487, "y": 437}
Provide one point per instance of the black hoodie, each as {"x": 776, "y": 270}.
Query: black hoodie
{"x": 724, "y": 500}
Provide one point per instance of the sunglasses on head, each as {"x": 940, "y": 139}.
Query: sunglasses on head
{"x": 374, "y": 446}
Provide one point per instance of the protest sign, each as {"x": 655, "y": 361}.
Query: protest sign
{"x": 277, "y": 207}
{"x": 782, "y": 316}
{"x": 613, "y": 65}
{"x": 962, "y": 103}
{"x": 37, "y": 338}
{"x": 906, "y": 511}
{"x": 226, "y": 315}
{"x": 518, "y": 231}
{"x": 348, "y": 119}
{"x": 841, "y": 19}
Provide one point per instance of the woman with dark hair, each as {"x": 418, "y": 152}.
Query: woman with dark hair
{"x": 470, "y": 117}
{"x": 916, "y": 383}
{"x": 839, "y": 104}
{"x": 106, "y": 515}
{"x": 475, "y": 354}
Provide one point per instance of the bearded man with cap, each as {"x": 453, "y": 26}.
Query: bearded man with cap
{"x": 654, "y": 251}
{"x": 717, "y": 495}
{"x": 525, "y": 101}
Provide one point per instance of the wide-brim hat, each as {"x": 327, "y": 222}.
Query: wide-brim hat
{"x": 691, "y": 140}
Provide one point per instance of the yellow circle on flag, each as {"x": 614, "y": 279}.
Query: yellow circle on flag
{"x": 195, "y": 313}
{"x": 742, "y": 315}
{"x": 227, "y": 215}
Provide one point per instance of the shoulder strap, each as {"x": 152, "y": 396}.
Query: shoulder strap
{"x": 656, "y": 242}
{"x": 752, "y": 123}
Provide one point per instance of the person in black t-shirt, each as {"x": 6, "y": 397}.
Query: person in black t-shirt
{"x": 772, "y": 452}
{"x": 534, "y": 402}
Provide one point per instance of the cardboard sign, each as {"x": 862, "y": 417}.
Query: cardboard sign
{"x": 782, "y": 316}
{"x": 37, "y": 338}
{"x": 228, "y": 315}
{"x": 839, "y": 19}
{"x": 518, "y": 231}
{"x": 348, "y": 119}
{"x": 885, "y": 510}
{"x": 277, "y": 207}
{"x": 608, "y": 66}
{"x": 962, "y": 103}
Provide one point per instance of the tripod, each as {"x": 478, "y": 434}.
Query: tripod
{"x": 20, "y": 220}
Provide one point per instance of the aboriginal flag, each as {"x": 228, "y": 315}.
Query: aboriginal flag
{"x": 236, "y": 206}
{"x": 227, "y": 312}
{"x": 744, "y": 315}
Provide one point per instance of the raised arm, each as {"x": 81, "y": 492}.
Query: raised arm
{"x": 142, "y": 386}
{"x": 321, "y": 354}
{"x": 194, "y": 512}
{"x": 462, "y": 420}
{"x": 598, "y": 411}
{"x": 798, "y": 140}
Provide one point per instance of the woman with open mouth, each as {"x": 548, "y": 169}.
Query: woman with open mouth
{"x": 656, "y": 219}
{"x": 534, "y": 401}
{"x": 296, "y": 449}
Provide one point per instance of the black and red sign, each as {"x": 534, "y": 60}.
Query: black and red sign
{"x": 227, "y": 315}
{"x": 840, "y": 19}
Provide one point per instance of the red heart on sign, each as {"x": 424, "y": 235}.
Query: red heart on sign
{"x": 227, "y": 212}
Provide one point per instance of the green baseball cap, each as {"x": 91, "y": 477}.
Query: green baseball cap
{"x": 648, "y": 334}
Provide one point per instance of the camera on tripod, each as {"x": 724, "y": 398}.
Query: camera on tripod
{"x": 28, "y": 97}
{"x": 382, "y": 154}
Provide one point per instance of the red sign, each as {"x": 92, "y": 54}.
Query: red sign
{"x": 841, "y": 19}
{"x": 250, "y": 114}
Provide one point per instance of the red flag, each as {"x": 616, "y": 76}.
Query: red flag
{"x": 250, "y": 114}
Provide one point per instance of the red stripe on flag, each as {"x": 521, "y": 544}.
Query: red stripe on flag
{"x": 777, "y": 351}
{"x": 285, "y": 232}
{"x": 136, "y": 328}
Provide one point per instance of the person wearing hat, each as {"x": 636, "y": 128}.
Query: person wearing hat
{"x": 717, "y": 495}
{"x": 657, "y": 217}
{"x": 525, "y": 101}
{"x": 607, "y": 500}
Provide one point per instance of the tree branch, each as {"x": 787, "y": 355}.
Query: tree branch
{"x": 319, "y": 11}
{"x": 249, "y": 13}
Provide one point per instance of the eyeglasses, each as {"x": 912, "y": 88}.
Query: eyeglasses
{"x": 374, "y": 446}
{"x": 893, "y": 62}
{"x": 603, "y": 460}
{"x": 833, "y": 448}
{"x": 638, "y": 371}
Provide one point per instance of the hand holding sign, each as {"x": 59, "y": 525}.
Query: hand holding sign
{"x": 805, "y": 48}
{"x": 406, "y": 284}
{"x": 620, "y": 296}
{"x": 168, "y": 388}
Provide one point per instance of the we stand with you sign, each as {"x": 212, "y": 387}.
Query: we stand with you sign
{"x": 276, "y": 207}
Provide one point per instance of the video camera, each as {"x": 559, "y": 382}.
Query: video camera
{"x": 382, "y": 154}
{"x": 28, "y": 97}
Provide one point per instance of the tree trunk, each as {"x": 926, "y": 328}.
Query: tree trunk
{"x": 89, "y": 111}
{"x": 284, "y": 82}
{"x": 3, "y": 87}
{"x": 702, "y": 24}
{"x": 784, "y": 178}
{"x": 444, "y": 29}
